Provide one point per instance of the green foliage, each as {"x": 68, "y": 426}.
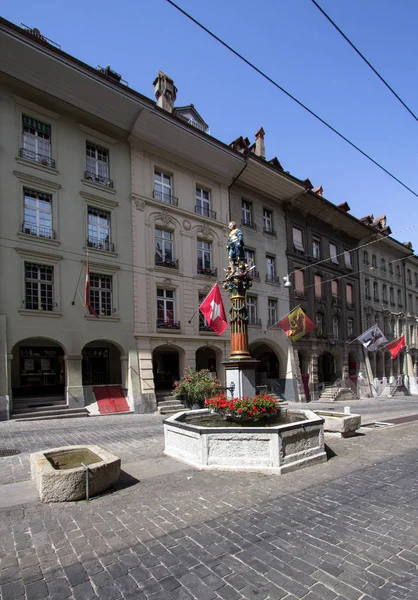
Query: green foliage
{"x": 196, "y": 386}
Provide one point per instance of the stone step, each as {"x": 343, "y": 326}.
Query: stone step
{"x": 170, "y": 402}
{"x": 50, "y": 414}
{"x": 37, "y": 409}
{"x": 35, "y": 403}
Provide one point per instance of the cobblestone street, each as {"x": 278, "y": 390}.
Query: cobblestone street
{"x": 341, "y": 530}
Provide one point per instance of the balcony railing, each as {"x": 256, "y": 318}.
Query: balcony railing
{"x": 249, "y": 223}
{"x": 170, "y": 324}
{"x": 272, "y": 278}
{"x": 98, "y": 179}
{"x": 38, "y": 231}
{"x": 254, "y": 320}
{"x": 269, "y": 231}
{"x": 171, "y": 263}
{"x": 98, "y": 244}
{"x": 205, "y": 212}
{"x": 166, "y": 198}
{"x": 47, "y": 161}
{"x": 208, "y": 271}
{"x": 272, "y": 322}
{"x": 42, "y": 305}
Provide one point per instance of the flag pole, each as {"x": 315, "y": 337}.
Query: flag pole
{"x": 281, "y": 318}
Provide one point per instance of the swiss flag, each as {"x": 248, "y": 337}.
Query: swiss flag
{"x": 87, "y": 291}
{"x": 212, "y": 309}
{"x": 396, "y": 346}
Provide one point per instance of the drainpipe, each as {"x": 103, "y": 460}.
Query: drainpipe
{"x": 232, "y": 183}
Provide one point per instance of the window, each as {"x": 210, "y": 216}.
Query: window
{"x": 36, "y": 138}
{"x": 347, "y": 259}
{"x": 350, "y": 328}
{"x": 204, "y": 257}
{"x": 398, "y": 271}
{"x": 374, "y": 261}
{"x": 416, "y": 279}
{"x": 349, "y": 294}
{"x": 383, "y": 265}
{"x": 409, "y": 276}
{"x": 272, "y": 311}
{"x": 318, "y": 286}
{"x": 316, "y": 248}
{"x": 392, "y": 296}
{"x": 298, "y": 240}
{"x": 300, "y": 281}
{"x": 319, "y": 322}
{"x": 390, "y": 268}
{"x": 101, "y": 294}
{"x": 246, "y": 213}
{"x": 37, "y": 214}
{"x": 203, "y": 203}
{"x": 399, "y": 297}
{"x": 375, "y": 291}
{"x": 333, "y": 254}
{"x": 98, "y": 229}
{"x": 39, "y": 287}
{"x": 166, "y": 309}
{"x": 268, "y": 221}
{"x": 203, "y": 324}
{"x": 366, "y": 258}
{"x": 367, "y": 289}
{"x": 416, "y": 305}
{"x": 334, "y": 289}
{"x": 252, "y": 310}
{"x": 249, "y": 257}
{"x": 270, "y": 268}
{"x": 97, "y": 164}
{"x": 164, "y": 246}
{"x": 162, "y": 187}
{"x": 368, "y": 320}
{"x": 385, "y": 293}
{"x": 410, "y": 303}
{"x": 336, "y": 327}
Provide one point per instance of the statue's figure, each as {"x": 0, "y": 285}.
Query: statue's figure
{"x": 235, "y": 247}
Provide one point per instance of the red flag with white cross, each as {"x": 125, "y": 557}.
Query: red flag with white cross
{"x": 212, "y": 309}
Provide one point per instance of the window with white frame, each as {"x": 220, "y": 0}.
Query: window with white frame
{"x": 97, "y": 164}
{"x": 270, "y": 268}
{"x": 162, "y": 187}
{"x": 366, "y": 257}
{"x": 367, "y": 289}
{"x": 375, "y": 291}
{"x": 409, "y": 276}
{"x": 203, "y": 203}
{"x": 39, "y": 287}
{"x": 399, "y": 297}
{"x": 334, "y": 289}
{"x": 316, "y": 248}
{"x": 298, "y": 239}
{"x": 319, "y": 322}
{"x": 392, "y": 296}
{"x": 333, "y": 254}
{"x": 203, "y": 324}
{"x": 350, "y": 327}
{"x": 166, "y": 308}
{"x": 384, "y": 293}
{"x": 368, "y": 320}
{"x": 37, "y": 215}
{"x": 383, "y": 265}
{"x": 98, "y": 229}
{"x": 347, "y": 259}
{"x": 300, "y": 281}
{"x": 349, "y": 294}
{"x": 204, "y": 256}
{"x": 36, "y": 139}
{"x": 246, "y": 212}
{"x": 336, "y": 327}
{"x": 164, "y": 248}
{"x": 252, "y": 310}
{"x": 249, "y": 257}
{"x": 398, "y": 272}
{"x": 318, "y": 286}
{"x": 390, "y": 268}
{"x": 101, "y": 294}
{"x": 374, "y": 261}
{"x": 272, "y": 311}
{"x": 267, "y": 221}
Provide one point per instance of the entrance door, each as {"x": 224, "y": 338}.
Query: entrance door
{"x": 41, "y": 371}
{"x": 166, "y": 368}
{"x": 96, "y": 366}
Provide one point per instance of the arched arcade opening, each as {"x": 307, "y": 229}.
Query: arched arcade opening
{"x": 38, "y": 369}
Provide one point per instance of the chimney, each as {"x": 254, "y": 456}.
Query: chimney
{"x": 319, "y": 190}
{"x": 259, "y": 144}
{"x": 165, "y": 91}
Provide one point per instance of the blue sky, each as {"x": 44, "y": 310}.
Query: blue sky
{"x": 295, "y": 45}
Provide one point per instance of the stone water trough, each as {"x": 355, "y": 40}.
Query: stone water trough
{"x": 60, "y": 477}
{"x": 340, "y": 424}
{"x": 272, "y": 448}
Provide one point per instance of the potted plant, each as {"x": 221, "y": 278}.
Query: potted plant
{"x": 247, "y": 408}
{"x": 195, "y": 387}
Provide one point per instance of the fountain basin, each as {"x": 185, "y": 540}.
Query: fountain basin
{"x": 273, "y": 449}
{"x": 340, "y": 424}
{"x": 60, "y": 477}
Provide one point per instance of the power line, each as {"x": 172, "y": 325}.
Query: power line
{"x": 289, "y": 95}
{"x": 365, "y": 59}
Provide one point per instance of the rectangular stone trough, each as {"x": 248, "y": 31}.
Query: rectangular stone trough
{"x": 341, "y": 424}
{"x": 276, "y": 449}
{"x": 60, "y": 477}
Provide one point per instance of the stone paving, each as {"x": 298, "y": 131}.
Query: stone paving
{"x": 341, "y": 530}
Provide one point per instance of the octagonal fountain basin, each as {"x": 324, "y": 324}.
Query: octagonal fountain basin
{"x": 60, "y": 476}
{"x": 205, "y": 440}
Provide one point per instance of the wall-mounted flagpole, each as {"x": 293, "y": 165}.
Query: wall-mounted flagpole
{"x": 281, "y": 318}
